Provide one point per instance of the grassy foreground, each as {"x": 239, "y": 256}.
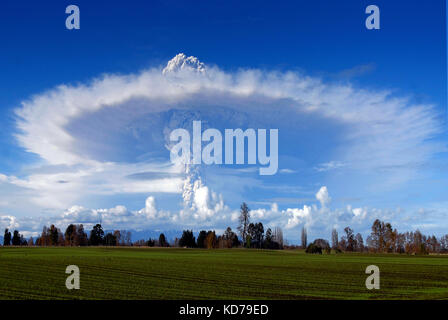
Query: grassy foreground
{"x": 154, "y": 273}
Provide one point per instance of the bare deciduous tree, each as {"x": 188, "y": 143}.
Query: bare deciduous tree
{"x": 277, "y": 236}
{"x": 244, "y": 220}
{"x": 334, "y": 239}
{"x": 304, "y": 237}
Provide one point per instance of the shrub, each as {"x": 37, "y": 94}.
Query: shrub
{"x": 312, "y": 248}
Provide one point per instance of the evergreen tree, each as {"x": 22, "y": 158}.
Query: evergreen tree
{"x": 96, "y": 235}
{"x": 7, "y": 238}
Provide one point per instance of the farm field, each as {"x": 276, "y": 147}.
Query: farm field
{"x": 157, "y": 273}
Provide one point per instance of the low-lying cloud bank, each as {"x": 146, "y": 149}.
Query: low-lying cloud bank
{"x": 319, "y": 219}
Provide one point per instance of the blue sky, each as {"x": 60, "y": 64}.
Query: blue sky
{"x": 361, "y": 113}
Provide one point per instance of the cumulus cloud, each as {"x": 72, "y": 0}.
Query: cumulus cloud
{"x": 118, "y": 217}
{"x": 299, "y": 216}
{"x": 9, "y": 222}
{"x": 150, "y": 209}
{"x": 322, "y": 196}
{"x": 319, "y": 220}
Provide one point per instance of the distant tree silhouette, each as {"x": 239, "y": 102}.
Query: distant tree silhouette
{"x": 312, "y": 248}
{"x": 211, "y": 241}
{"x": 7, "y": 238}
{"x": 54, "y": 235}
{"x": 201, "y": 239}
{"x": 127, "y": 237}
{"x": 248, "y": 241}
{"x": 70, "y": 235}
{"x": 16, "y": 238}
{"x": 304, "y": 238}
{"x": 377, "y": 236}
{"x": 323, "y": 244}
{"x": 162, "y": 241}
{"x": 23, "y": 241}
{"x": 334, "y": 239}
{"x": 349, "y": 239}
{"x": 151, "y": 242}
{"x": 81, "y": 236}
{"x": 230, "y": 239}
{"x": 270, "y": 242}
{"x": 244, "y": 220}
{"x": 110, "y": 240}
{"x": 187, "y": 239}
{"x": 256, "y": 233}
{"x": 277, "y": 237}
{"x": 359, "y": 242}
{"x": 96, "y": 235}
{"x": 117, "y": 235}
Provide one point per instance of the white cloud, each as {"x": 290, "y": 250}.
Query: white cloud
{"x": 102, "y": 138}
{"x": 392, "y": 129}
{"x": 150, "y": 209}
{"x": 298, "y": 216}
{"x": 327, "y": 166}
{"x": 318, "y": 220}
{"x": 287, "y": 171}
{"x": 199, "y": 201}
{"x": 58, "y": 189}
{"x": 323, "y": 197}
{"x": 9, "y": 222}
{"x": 360, "y": 213}
{"x": 181, "y": 62}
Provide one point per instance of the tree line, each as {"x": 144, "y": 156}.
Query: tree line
{"x": 382, "y": 239}
{"x": 252, "y": 235}
{"x": 74, "y": 235}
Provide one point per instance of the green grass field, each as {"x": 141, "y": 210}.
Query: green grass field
{"x": 153, "y": 273}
